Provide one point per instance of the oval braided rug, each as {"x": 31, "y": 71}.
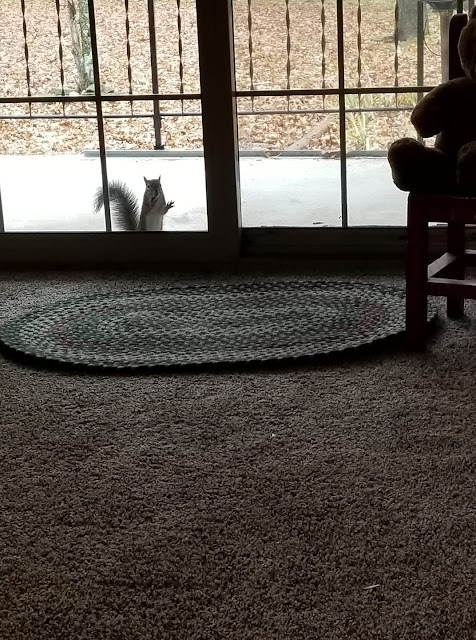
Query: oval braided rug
{"x": 215, "y": 323}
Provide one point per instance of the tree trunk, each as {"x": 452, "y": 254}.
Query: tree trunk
{"x": 81, "y": 41}
{"x": 408, "y": 19}
{"x": 445, "y": 17}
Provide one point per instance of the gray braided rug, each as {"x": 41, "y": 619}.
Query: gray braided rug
{"x": 209, "y": 323}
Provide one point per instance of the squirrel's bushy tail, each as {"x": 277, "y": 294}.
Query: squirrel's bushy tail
{"x": 124, "y": 205}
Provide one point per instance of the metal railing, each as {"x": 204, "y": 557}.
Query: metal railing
{"x": 324, "y": 86}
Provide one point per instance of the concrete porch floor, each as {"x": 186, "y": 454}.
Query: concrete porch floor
{"x": 55, "y": 193}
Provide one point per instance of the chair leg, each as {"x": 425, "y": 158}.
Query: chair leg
{"x": 416, "y": 278}
{"x": 456, "y": 245}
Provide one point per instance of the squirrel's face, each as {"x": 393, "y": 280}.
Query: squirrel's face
{"x": 153, "y": 189}
{"x": 153, "y": 184}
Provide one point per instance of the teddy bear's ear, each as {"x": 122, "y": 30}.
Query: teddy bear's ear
{"x": 467, "y": 47}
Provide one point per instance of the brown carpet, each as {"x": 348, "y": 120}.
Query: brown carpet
{"x": 330, "y": 500}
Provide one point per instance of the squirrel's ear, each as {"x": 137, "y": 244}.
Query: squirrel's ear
{"x": 145, "y": 180}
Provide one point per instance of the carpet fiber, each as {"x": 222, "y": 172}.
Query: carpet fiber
{"x": 304, "y": 502}
{"x": 213, "y": 323}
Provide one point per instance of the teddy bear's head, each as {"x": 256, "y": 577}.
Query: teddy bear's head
{"x": 467, "y": 46}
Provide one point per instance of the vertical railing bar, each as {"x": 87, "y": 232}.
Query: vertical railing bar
{"x": 26, "y": 52}
{"x": 250, "y": 49}
{"x": 2, "y": 222}
{"x": 359, "y": 50}
{"x": 420, "y": 51}
{"x": 342, "y": 124}
{"x": 60, "y": 49}
{"x": 395, "y": 40}
{"x": 128, "y": 53}
{"x": 157, "y": 120}
{"x": 180, "y": 44}
{"x": 420, "y": 46}
{"x": 459, "y": 6}
{"x": 288, "y": 49}
{"x": 99, "y": 114}
{"x": 323, "y": 50}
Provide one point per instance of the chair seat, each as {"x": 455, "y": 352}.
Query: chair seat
{"x": 444, "y": 208}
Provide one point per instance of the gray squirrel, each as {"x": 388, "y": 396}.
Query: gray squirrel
{"x": 125, "y": 207}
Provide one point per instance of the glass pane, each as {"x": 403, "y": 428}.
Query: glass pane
{"x": 281, "y": 44}
{"x": 54, "y": 57}
{"x": 47, "y": 182}
{"x": 289, "y": 166}
{"x": 34, "y": 54}
{"x": 384, "y": 47}
{"x": 125, "y": 42}
{"x": 373, "y": 121}
{"x": 373, "y": 199}
{"x": 147, "y": 140}
{"x": 131, "y": 158}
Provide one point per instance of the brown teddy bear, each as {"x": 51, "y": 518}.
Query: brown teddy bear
{"x": 447, "y": 111}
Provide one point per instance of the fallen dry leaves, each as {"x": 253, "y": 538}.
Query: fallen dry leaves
{"x": 310, "y": 66}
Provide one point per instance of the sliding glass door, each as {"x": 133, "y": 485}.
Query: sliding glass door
{"x": 323, "y": 88}
{"x": 300, "y": 97}
{"x": 101, "y": 93}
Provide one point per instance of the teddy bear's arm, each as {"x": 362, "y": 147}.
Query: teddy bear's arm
{"x": 433, "y": 111}
{"x": 439, "y": 108}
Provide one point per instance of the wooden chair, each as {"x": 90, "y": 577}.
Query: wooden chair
{"x": 445, "y": 276}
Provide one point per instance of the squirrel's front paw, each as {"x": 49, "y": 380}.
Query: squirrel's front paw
{"x": 170, "y": 204}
